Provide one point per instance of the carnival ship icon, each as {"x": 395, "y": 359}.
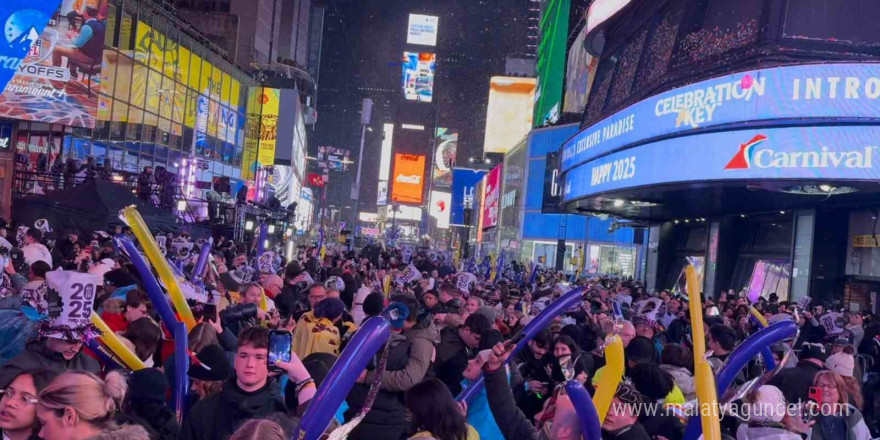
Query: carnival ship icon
{"x": 743, "y": 158}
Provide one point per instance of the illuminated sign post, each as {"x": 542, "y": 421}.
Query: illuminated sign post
{"x": 492, "y": 193}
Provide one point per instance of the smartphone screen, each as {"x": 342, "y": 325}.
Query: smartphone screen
{"x": 210, "y": 311}
{"x": 280, "y": 342}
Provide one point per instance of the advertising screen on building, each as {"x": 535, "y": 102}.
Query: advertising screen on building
{"x": 446, "y": 146}
{"x": 579, "y": 75}
{"x": 492, "y": 194}
{"x": 773, "y": 96}
{"x": 23, "y": 23}
{"x": 408, "y": 179}
{"x": 441, "y": 202}
{"x": 463, "y": 182}
{"x": 422, "y": 30}
{"x": 552, "y": 194}
{"x": 509, "y": 113}
{"x": 262, "y": 130}
{"x": 818, "y": 153}
{"x": 304, "y": 211}
{"x": 418, "y": 76}
{"x": 551, "y": 61}
{"x": 60, "y": 77}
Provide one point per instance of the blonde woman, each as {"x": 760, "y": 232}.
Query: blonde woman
{"x": 838, "y": 420}
{"x": 80, "y": 406}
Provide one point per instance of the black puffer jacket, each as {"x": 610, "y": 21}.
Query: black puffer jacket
{"x": 387, "y": 417}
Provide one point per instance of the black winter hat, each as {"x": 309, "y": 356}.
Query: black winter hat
{"x": 374, "y": 303}
{"x": 213, "y": 365}
{"x": 640, "y": 349}
{"x": 811, "y": 350}
{"x": 119, "y": 277}
{"x": 148, "y": 384}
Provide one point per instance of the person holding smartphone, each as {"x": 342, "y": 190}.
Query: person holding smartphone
{"x": 250, "y": 394}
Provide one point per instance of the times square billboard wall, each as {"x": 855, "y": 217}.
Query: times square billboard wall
{"x": 509, "y": 113}
{"x": 551, "y": 61}
{"x": 408, "y": 179}
{"x": 464, "y": 182}
{"x": 58, "y": 81}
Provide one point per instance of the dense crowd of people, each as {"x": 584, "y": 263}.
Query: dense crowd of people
{"x": 452, "y": 322}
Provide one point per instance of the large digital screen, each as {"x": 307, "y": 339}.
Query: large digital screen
{"x": 59, "y": 79}
{"x": 418, "y": 76}
{"x": 408, "y": 182}
{"x": 551, "y": 61}
{"x": 422, "y": 29}
{"x": 602, "y": 10}
{"x": 286, "y": 184}
{"x": 304, "y": 211}
{"x": 814, "y": 153}
{"x": 579, "y": 75}
{"x": 445, "y": 148}
{"x": 262, "y": 130}
{"x": 463, "y": 182}
{"x": 23, "y": 24}
{"x": 821, "y": 92}
{"x": 509, "y": 113}
{"x": 441, "y": 202}
{"x": 492, "y": 194}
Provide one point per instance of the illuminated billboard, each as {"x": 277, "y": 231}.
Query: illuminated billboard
{"x": 304, "y": 211}
{"x": 59, "y": 79}
{"x": 509, "y": 113}
{"x": 492, "y": 192}
{"x": 262, "y": 130}
{"x": 551, "y": 62}
{"x": 441, "y": 202}
{"x": 446, "y": 146}
{"x": 422, "y": 30}
{"x": 23, "y": 23}
{"x": 464, "y": 181}
{"x": 408, "y": 183}
{"x": 418, "y": 76}
{"x": 579, "y": 75}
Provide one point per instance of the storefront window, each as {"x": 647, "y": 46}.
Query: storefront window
{"x": 611, "y": 260}
{"x": 769, "y": 276}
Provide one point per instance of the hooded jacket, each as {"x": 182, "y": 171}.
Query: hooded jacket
{"x": 422, "y": 338}
{"x": 451, "y": 360}
{"x": 683, "y": 379}
{"x": 36, "y": 356}
{"x": 218, "y": 416}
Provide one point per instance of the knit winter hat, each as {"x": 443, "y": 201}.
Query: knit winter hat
{"x": 148, "y": 384}
{"x": 330, "y": 308}
{"x": 373, "y": 304}
{"x": 811, "y": 350}
{"x": 841, "y": 363}
{"x": 769, "y": 405}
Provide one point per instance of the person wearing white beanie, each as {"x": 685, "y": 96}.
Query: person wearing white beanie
{"x": 841, "y": 363}
{"x": 765, "y": 410}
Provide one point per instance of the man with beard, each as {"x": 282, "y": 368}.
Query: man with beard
{"x": 533, "y": 363}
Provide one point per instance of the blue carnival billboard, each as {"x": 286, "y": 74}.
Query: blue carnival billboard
{"x": 463, "y": 182}
{"x": 804, "y": 94}
{"x": 23, "y": 22}
{"x": 816, "y": 152}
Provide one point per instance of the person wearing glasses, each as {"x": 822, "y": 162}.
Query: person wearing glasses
{"x": 837, "y": 419}
{"x": 18, "y": 405}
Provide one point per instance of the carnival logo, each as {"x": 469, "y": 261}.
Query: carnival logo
{"x": 750, "y": 156}
{"x": 413, "y": 179}
{"x": 743, "y": 159}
